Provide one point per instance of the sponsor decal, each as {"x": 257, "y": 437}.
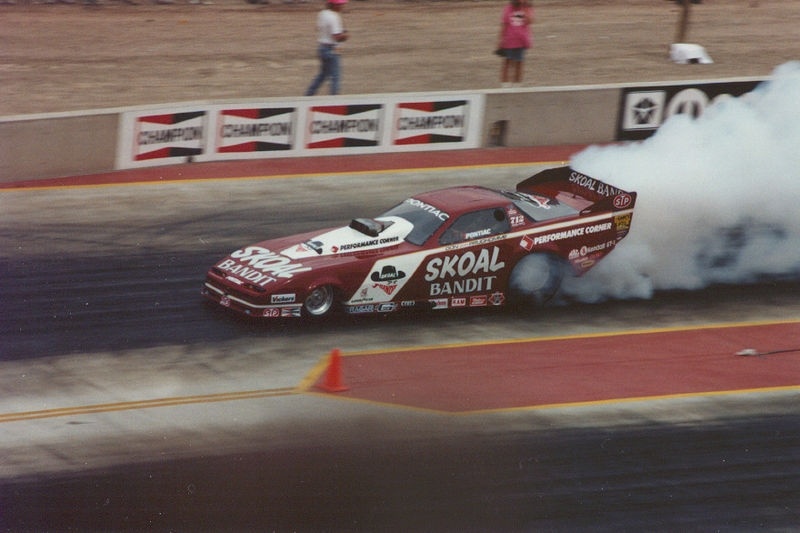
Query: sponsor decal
{"x": 594, "y": 185}
{"x": 344, "y": 126}
{"x": 169, "y": 135}
{"x": 497, "y": 298}
{"x": 388, "y": 288}
{"x": 479, "y": 242}
{"x": 441, "y": 215}
{"x": 365, "y": 244}
{"x": 386, "y": 280}
{"x": 458, "y": 301}
{"x": 431, "y": 122}
{"x": 283, "y": 298}
{"x": 623, "y": 222}
{"x": 644, "y": 110}
{"x": 526, "y": 242}
{"x": 585, "y": 250}
{"x": 359, "y": 309}
{"x": 479, "y": 233}
{"x": 386, "y": 277}
{"x": 387, "y": 307}
{"x": 255, "y": 130}
{"x": 439, "y": 303}
{"x": 466, "y": 267}
{"x": 260, "y": 266}
{"x": 388, "y": 273}
{"x": 621, "y": 201}
{"x": 571, "y": 233}
{"x": 558, "y": 236}
{"x": 461, "y": 265}
{"x": 463, "y": 286}
{"x": 290, "y": 312}
{"x": 480, "y": 300}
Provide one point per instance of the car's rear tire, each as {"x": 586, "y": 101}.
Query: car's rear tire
{"x": 320, "y": 301}
{"x": 536, "y": 278}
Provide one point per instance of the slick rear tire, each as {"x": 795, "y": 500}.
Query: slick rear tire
{"x": 536, "y": 278}
{"x": 319, "y": 302}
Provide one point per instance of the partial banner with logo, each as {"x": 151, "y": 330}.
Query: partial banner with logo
{"x": 643, "y": 110}
{"x": 309, "y": 126}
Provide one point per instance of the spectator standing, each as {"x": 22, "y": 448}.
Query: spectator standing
{"x": 330, "y": 32}
{"x": 515, "y": 38}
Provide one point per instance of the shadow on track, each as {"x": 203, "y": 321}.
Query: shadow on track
{"x": 55, "y": 306}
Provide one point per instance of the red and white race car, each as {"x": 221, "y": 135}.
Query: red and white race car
{"x": 458, "y": 247}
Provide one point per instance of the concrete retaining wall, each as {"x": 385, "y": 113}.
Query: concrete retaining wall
{"x": 551, "y": 116}
{"x": 79, "y": 143}
{"x": 43, "y": 146}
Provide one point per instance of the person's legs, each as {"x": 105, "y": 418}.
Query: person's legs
{"x": 334, "y": 70}
{"x": 517, "y": 71}
{"x": 512, "y": 66}
{"x": 324, "y": 53}
{"x": 504, "y": 70}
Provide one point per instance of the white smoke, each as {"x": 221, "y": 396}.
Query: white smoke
{"x": 718, "y": 197}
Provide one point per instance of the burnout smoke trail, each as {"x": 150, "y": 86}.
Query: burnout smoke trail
{"x": 718, "y": 197}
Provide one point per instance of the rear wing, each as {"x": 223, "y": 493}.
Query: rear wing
{"x": 584, "y": 193}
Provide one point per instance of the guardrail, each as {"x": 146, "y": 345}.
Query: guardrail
{"x": 88, "y": 142}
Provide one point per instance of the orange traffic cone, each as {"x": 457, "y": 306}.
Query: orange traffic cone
{"x": 333, "y": 376}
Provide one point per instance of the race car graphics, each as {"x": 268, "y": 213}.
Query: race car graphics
{"x": 386, "y": 278}
{"x": 259, "y": 266}
{"x": 461, "y": 273}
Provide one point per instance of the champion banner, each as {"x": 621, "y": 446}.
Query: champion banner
{"x": 259, "y": 129}
{"x": 431, "y": 122}
{"x": 169, "y": 135}
{"x": 344, "y": 126}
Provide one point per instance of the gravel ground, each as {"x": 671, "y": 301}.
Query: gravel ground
{"x": 61, "y": 57}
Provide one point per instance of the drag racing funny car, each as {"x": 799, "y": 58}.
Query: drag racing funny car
{"x": 458, "y": 247}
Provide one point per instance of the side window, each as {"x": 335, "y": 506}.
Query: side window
{"x": 476, "y": 225}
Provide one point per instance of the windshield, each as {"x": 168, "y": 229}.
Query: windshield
{"x": 539, "y": 207}
{"x": 425, "y": 218}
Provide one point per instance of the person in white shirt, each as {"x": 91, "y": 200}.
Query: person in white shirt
{"x": 331, "y": 32}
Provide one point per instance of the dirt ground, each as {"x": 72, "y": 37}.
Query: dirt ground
{"x": 60, "y": 57}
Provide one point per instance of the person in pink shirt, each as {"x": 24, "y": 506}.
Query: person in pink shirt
{"x": 515, "y": 38}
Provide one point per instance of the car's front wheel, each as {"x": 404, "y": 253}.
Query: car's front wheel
{"x": 320, "y": 301}
{"x": 536, "y": 278}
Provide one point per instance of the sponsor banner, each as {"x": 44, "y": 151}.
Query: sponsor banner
{"x": 430, "y": 122}
{"x": 149, "y": 138}
{"x": 643, "y": 110}
{"x": 306, "y": 127}
{"x": 344, "y": 126}
{"x": 253, "y": 131}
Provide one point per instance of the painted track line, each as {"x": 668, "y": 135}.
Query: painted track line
{"x": 146, "y": 404}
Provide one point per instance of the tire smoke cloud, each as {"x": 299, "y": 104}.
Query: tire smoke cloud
{"x": 719, "y": 197}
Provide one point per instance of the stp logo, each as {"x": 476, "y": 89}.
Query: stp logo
{"x": 621, "y": 201}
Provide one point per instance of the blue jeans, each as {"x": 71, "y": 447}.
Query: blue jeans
{"x": 328, "y": 68}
